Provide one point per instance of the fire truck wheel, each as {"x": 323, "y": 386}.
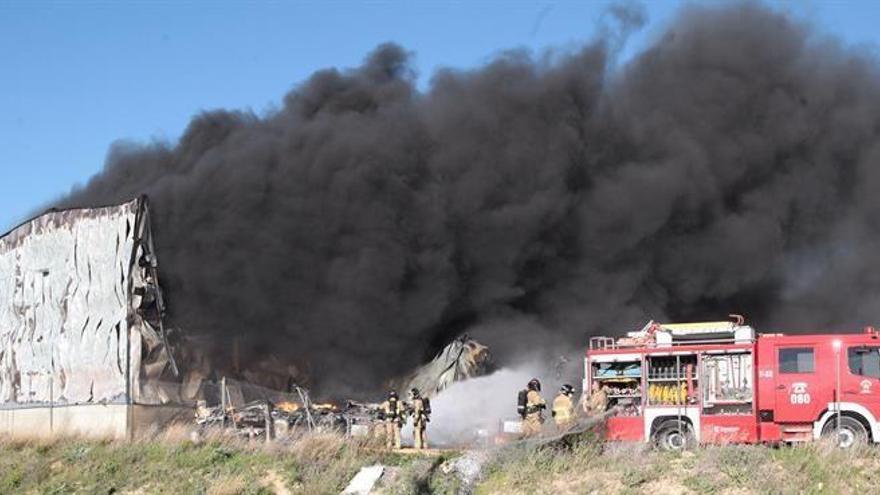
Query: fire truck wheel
{"x": 670, "y": 437}
{"x": 852, "y": 432}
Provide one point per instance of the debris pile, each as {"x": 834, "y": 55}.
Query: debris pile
{"x": 283, "y": 419}
{"x": 250, "y": 410}
{"x": 462, "y": 359}
{"x": 283, "y": 415}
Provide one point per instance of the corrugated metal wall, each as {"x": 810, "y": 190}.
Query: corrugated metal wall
{"x": 65, "y": 285}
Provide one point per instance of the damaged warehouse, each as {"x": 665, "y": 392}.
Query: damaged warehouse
{"x": 83, "y": 344}
{"x": 83, "y": 349}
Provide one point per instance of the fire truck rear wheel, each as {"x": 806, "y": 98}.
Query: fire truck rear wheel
{"x": 670, "y": 437}
{"x": 852, "y": 432}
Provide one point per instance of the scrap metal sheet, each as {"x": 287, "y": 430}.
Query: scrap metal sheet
{"x": 64, "y": 307}
{"x": 463, "y": 358}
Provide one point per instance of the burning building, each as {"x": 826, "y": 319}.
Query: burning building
{"x": 82, "y": 343}
{"x": 366, "y": 221}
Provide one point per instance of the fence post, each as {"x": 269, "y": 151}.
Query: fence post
{"x": 270, "y": 425}
{"x": 223, "y": 400}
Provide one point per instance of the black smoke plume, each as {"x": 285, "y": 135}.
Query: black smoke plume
{"x": 730, "y": 167}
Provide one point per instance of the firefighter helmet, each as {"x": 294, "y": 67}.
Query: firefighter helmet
{"x": 414, "y": 392}
{"x": 567, "y": 389}
{"x": 392, "y": 394}
{"x": 535, "y": 384}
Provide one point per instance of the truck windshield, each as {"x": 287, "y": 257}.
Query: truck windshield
{"x": 864, "y": 361}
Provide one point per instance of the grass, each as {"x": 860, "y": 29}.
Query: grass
{"x": 314, "y": 464}
{"x": 170, "y": 462}
{"x": 592, "y": 468}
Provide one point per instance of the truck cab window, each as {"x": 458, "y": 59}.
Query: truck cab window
{"x": 864, "y": 361}
{"x": 796, "y": 360}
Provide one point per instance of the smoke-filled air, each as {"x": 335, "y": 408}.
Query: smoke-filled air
{"x": 732, "y": 166}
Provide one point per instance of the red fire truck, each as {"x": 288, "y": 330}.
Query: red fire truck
{"x": 721, "y": 382}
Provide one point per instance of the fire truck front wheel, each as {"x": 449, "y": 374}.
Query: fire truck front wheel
{"x": 852, "y": 432}
{"x": 672, "y": 436}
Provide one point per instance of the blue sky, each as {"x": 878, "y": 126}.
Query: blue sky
{"x": 76, "y": 76}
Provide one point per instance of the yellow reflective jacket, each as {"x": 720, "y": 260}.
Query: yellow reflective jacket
{"x": 534, "y": 403}
{"x": 563, "y": 409}
{"x": 393, "y": 411}
{"x": 598, "y": 402}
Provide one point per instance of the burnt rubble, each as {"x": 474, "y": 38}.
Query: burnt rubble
{"x": 249, "y": 410}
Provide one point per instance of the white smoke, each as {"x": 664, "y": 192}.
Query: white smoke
{"x": 466, "y": 407}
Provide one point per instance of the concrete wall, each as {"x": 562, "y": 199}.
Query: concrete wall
{"x": 147, "y": 419}
{"x": 115, "y": 421}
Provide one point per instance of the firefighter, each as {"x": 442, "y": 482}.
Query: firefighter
{"x": 392, "y": 414}
{"x": 421, "y": 412}
{"x": 563, "y": 409}
{"x": 202, "y": 411}
{"x": 534, "y": 411}
{"x": 598, "y": 401}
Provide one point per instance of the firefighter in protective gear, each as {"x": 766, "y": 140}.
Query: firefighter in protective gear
{"x": 563, "y": 409}
{"x": 535, "y": 405}
{"x": 392, "y": 414}
{"x": 421, "y": 412}
{"x": 598, "y": 401}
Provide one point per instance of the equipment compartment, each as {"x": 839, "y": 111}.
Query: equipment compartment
{"x": 728, "y": 386}
{"x": 672, "y": 380}
{"x": 622, "y": 382}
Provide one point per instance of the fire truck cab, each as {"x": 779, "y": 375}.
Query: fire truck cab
{"x": 720, "y": 382}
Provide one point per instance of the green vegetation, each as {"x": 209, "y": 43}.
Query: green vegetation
{"x": 735, "y": 469}
{"x": 315, "y": 464}
{"x": 319, "y": 464}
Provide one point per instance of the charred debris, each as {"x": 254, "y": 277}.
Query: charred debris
{"x": 252, "y": 411}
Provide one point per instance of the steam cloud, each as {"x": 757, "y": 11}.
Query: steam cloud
{"x": 730, "y": 167}
{"x": 479, "y": 404}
